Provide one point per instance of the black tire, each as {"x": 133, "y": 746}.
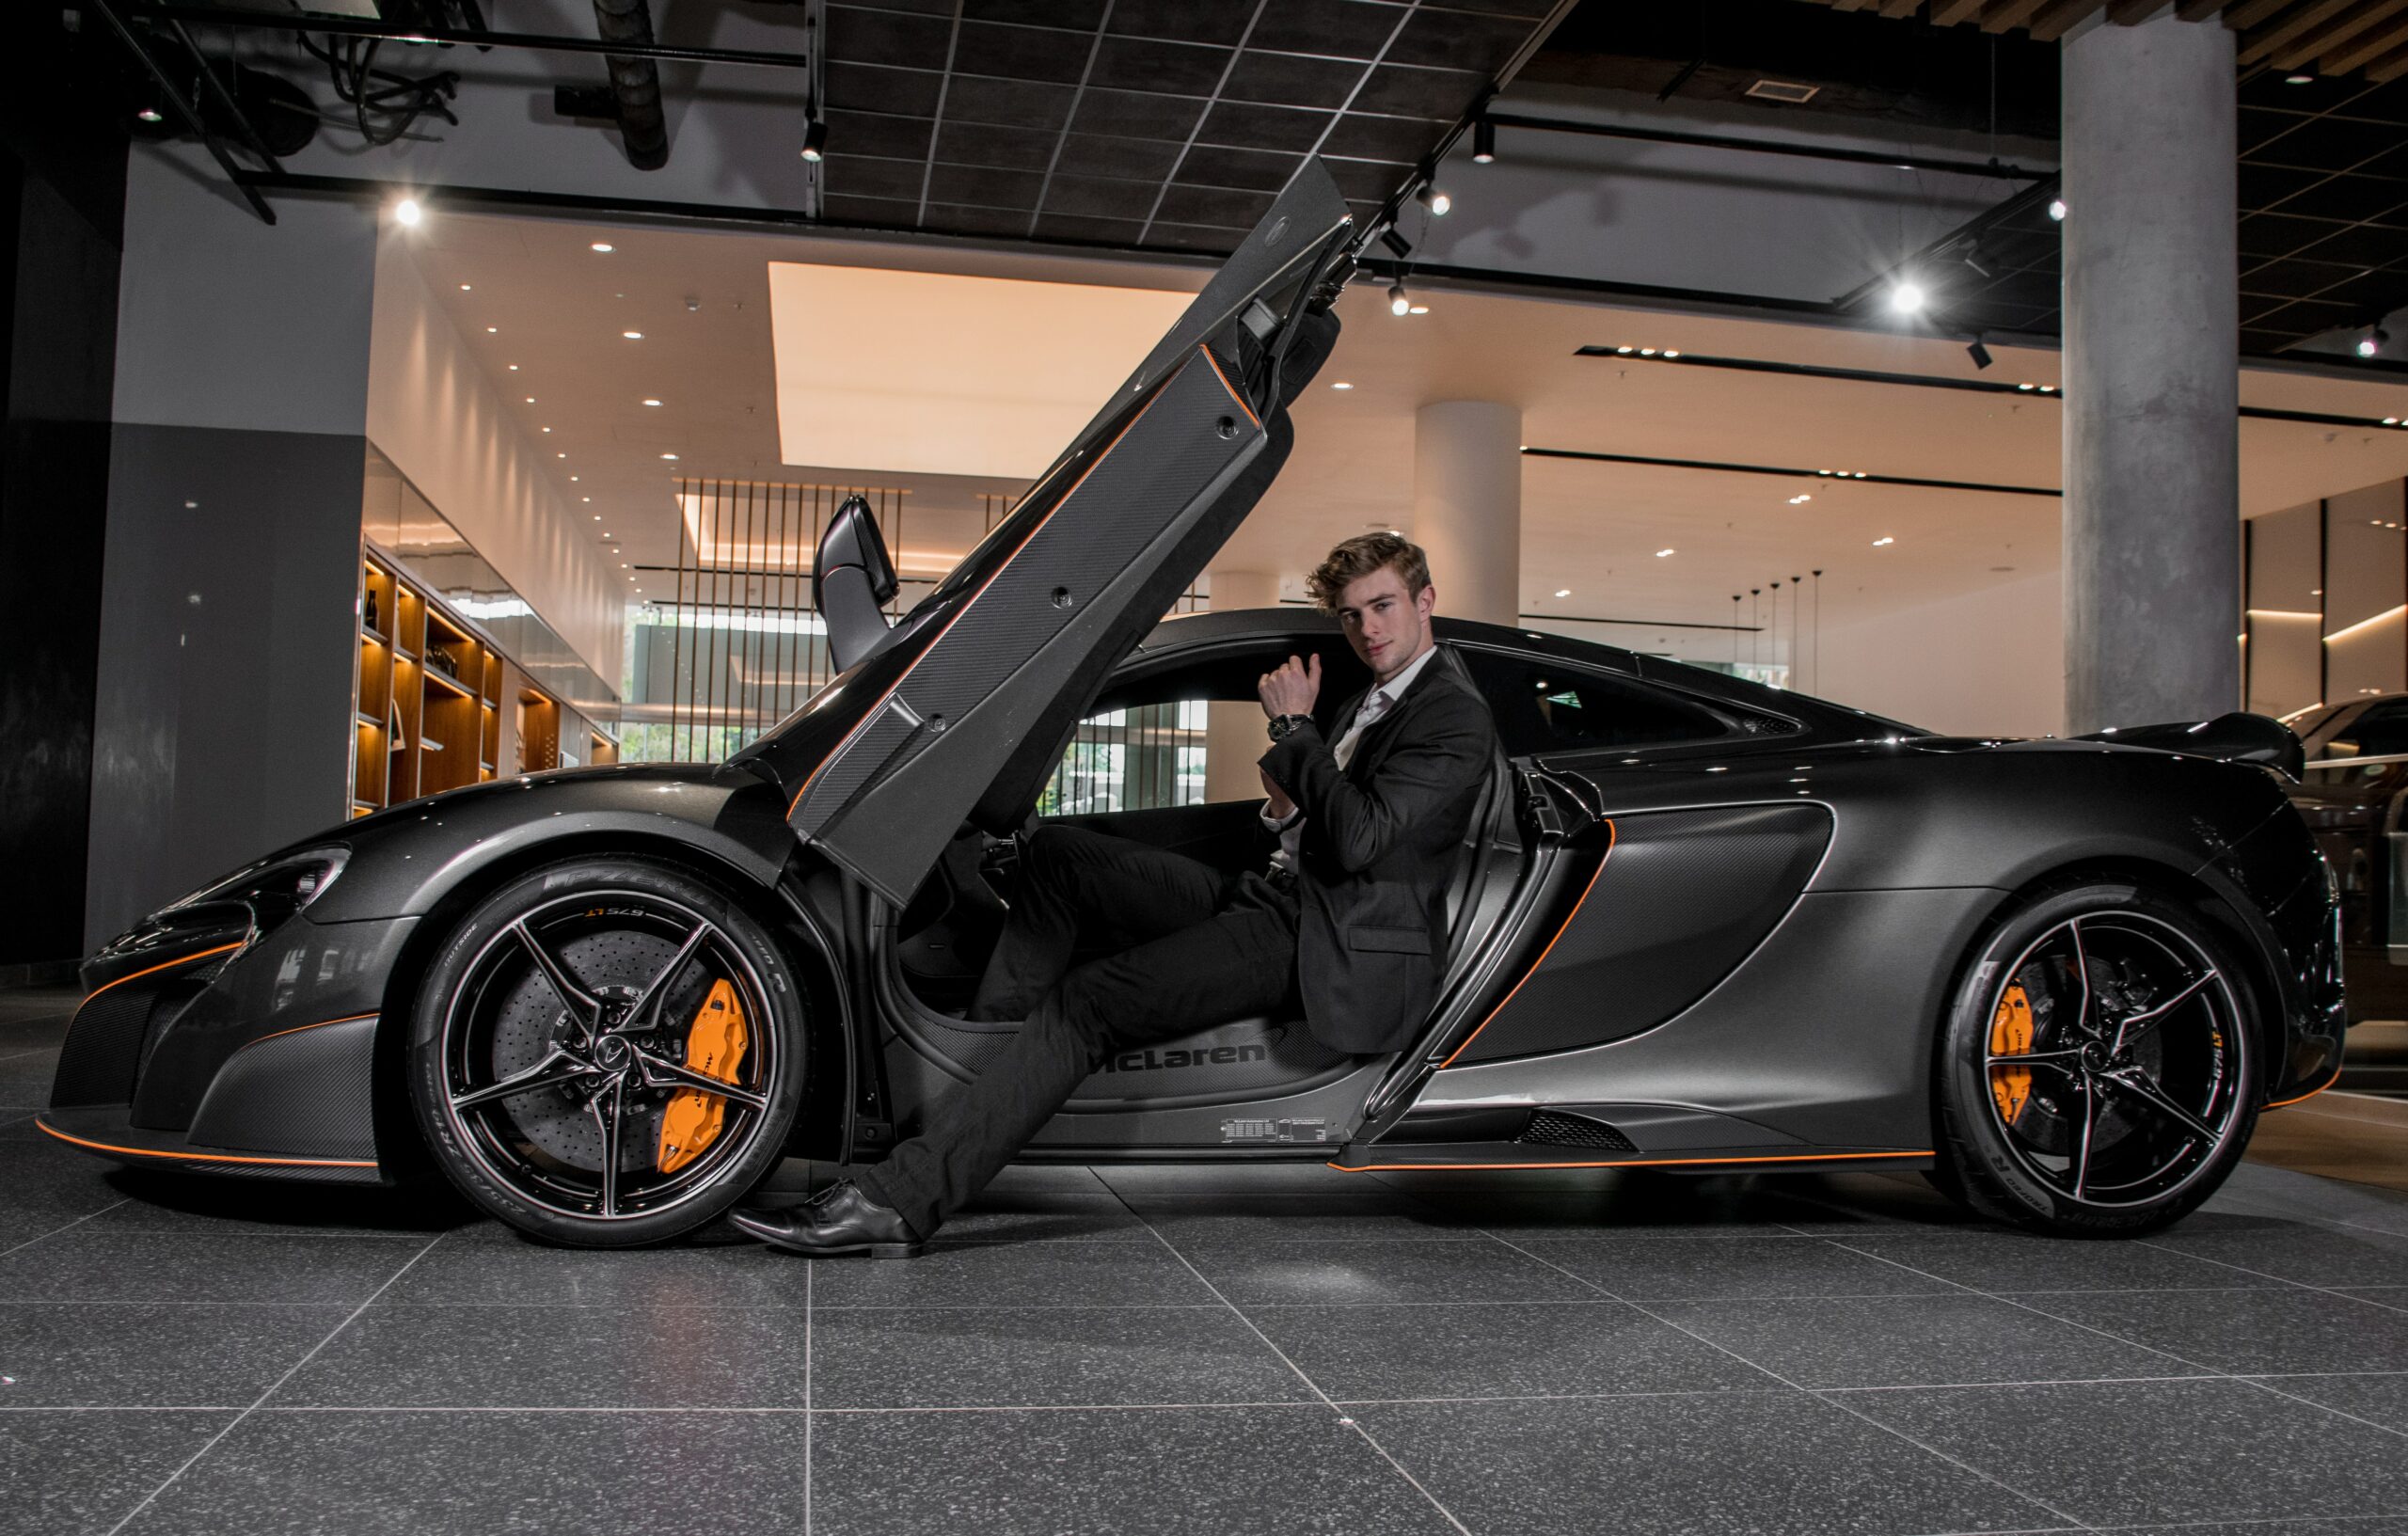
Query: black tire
{"x": 2120, "y": 1089}
{"x": 592, "y": 982}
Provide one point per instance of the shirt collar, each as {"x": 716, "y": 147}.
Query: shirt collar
{"x": 1394, "y": 687}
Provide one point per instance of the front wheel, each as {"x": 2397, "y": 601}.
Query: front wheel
{"x": 2097, "y": 1073}
{"x": 607, "y": 1053}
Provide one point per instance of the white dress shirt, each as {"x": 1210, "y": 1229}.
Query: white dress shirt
{"x": 1375, "y": 704}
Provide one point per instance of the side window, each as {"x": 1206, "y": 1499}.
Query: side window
{"x": 2380, "y": 730}
{"x": 1135, "y": 759}
{"x": 1542, "y": 707}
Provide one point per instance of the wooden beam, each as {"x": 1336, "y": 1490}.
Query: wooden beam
{"x": 2262, "y": 41}
{"x": 1898, "y": 10}
{"x": 2244, "y": 14}
{"x": 2059, "y": 17}
{"x": 2336, "y": 35}
{"x": 2390, "y": 67}
{"x": 2368, "y": 47}
{"x": 1999, "y": 15}
{"x": 2132, "y": 12}
{"x": 1950, "y": 12}
{"x": 2198, "y": 10}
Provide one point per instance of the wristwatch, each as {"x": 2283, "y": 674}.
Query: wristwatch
{"x": 1282, "y": 724}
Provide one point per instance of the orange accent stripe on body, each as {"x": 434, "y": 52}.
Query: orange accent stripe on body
{"x": 346, "y": 1018}
{"x": 48, "y": 1128}
{"x": 1622, "y": 1163}
{"x": 872, "y": 713}
{"x": 161, "y": 966}
{"x": 1543, "y": 955}
{"x": 2309, "y": 1094}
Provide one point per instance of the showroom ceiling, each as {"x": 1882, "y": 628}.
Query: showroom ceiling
{"x": 1144, "y": 122}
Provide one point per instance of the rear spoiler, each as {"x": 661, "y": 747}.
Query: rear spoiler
{"x": 2235, "y": 737}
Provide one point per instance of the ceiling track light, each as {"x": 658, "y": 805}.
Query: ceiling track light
{"x": 1980, "y": 353}
{"x": 1428, "y": 197}
{"x": 1399, "y": 302}
{"x": 815, "y": 139}
{"x": 1484, "y": 142}
{"x": 1908, "y": 297}
{"x": 1396, "y": 243}
{"x": 2057, "y": 209}
{"x": 2372, "y": 342}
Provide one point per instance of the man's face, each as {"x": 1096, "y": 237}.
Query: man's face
{"x": 1387, "y": 626}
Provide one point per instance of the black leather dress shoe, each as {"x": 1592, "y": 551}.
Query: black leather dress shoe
{"x": 838, "y": 1220}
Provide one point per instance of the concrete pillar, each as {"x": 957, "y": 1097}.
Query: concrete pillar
{"x": 2152, "y": 529}
{"x": 1233, "y": 739}
{"x": 1468, "y": 506}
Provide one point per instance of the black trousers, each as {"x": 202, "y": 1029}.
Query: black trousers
{"x": 1195, "y": 948}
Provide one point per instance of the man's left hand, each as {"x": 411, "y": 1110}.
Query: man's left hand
{"x": 1293, "y": 689}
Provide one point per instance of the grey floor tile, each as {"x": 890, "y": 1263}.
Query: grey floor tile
{"x": 78, "y": 1474}
{"x": 2395, "y": 1297}
{"x": 1210, "y": 1471}
{"x": 1299, "y": 1218}
{"x": 1387, "y": 1270}
{"x": 417, "y": 1474}
{"x": 27, "y": 1075}
{"x": 1537, "y": 1348}
{"x": 85, "y": 1266}
{"x": 1013, "y": 1274}
{"x": 1094, "y": 1214}
{"x": 2137, "y": 1452}
{"x": 48, "y": 1178}
{"x": 492, "y": 1265}
{"x": 2248, "y": 1330}
{"x": 1043, "y": 1356}
{"x": 2292, "y": 1250}
{"x": 2000, "y": 1260}
{"x": 1742, "y": 1465}
{"x": 2381, "y": 1399}
{"x": 2259, "y": 1190}
{"x": 557, "y": 1357}
{"x": 160, "y": 1202}
{"x": 1901, "y": 1340}
{"x": 153, "y": 1354}
{"x": 17, "y": 1124}
{"x": 1660, "y": 1268}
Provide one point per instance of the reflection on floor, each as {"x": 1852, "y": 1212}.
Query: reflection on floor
{"x": 1200, "y": 1350}
{"x": 2360, "y": 1137}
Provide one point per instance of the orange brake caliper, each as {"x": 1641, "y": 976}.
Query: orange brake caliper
{"x": 714, "y": 1044}
{"x": 2011, "y": 1035}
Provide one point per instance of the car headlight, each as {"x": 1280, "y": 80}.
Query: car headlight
{"x": 274, "y": 889}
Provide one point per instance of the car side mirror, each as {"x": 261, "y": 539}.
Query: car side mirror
{"x": 851, "y": 580}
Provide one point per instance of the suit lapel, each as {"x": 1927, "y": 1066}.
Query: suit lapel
{"x": 1375, "y": 738}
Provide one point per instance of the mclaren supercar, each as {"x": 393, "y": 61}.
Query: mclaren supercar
{"x": 1698, "y": 924}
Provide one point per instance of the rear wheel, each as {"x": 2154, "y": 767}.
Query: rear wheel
{"x": 607, "y": 1053}
{"x": 2099, "y": 1070}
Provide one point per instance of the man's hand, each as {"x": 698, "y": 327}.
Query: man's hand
{"x": 1280, "y": 804}
{"x": 1293, "y": 689}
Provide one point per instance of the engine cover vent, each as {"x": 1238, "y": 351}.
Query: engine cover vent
{"x": 1553, "y": 1127}
{"x": 1784, "y": 90}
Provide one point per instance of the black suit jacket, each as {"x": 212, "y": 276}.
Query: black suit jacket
{"x": 1380, "y": 840}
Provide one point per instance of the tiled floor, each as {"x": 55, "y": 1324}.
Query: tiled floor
{"x": 1175, "y": 1350}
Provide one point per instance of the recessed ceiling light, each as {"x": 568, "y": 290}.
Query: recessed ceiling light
{"x": 560, "y": 455}
{"x": 1341, "y": 385}
{"x": 1417, "y": 309}
{"x": 573, "y": 479}
{"x": 531, "y": 400}
{"x": 623, "y": 565}
{"x": 1796, "y": 500}
{"x": 2057, "y": 209}
{"x": 602, "y": 245}
{"x": 1661, "y": 553}
{"x": 548, "y": 429}
{"x": 514, "y": 368}
{"x": 408, "y": 211}
{"x": 1563, "y": 592}
{"x": 464, "y": 288}
{"x": 1670, "y": 353}
{"x": 669, "y": 455}
{"x": 598, "y": 516}
{"x": 633, "y": 336}
{"x": 2299, "y": 80}
{"x": 493, "y": 330}
{"x": 652, "y": 403}
{"x": 1879, "y": 543}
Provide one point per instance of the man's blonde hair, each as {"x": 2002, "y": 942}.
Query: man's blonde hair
{"x": 1358, "y": 557}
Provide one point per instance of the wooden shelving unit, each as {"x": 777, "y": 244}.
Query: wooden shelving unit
{"x": 429, "y": 710}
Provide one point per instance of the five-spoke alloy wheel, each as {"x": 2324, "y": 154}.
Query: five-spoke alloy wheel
{"x": 608, "y": 1051}
{"x": 2099, "y": 1070}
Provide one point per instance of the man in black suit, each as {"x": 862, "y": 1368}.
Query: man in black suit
{"x": 1349, "y": 918}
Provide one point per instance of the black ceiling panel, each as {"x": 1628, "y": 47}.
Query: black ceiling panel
{"x": 2348, "y": 199}
{"x": 2293, "y": 279}
{"x": 1168, "y": 123}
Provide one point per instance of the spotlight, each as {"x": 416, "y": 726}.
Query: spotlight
{"x": 1395, "y": 241}
{"x": 1879, "y": 543}
{"x": 2371, "y": 343}
{"x": 408, "y": 213}
{"x": 652, "y": 403}
{"x": 815, "y": 139}
{"x": 633, "y": 336}
{"x": 2057, "y": 209}
{"x": 1908, "y": 297}
{"x": 1980, "y": 353}
{"x": 1484, "y": 142}
{"x": 602, "y": 245}
{"x": 1661, "y": 553}
{"x": 2299, "y": 80}
{"x": 1342, "y": 384}
{"x": 151, "y": 114}
{"x": 1434, "y": 199}
{"x": 1399, "y": 302}
{"x": 1563, "y": 592}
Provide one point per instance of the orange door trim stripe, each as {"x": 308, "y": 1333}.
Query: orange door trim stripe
{"x": 163, "y": 965}
{"x": 1625, "y": 1163}
{"x": 2309, "y": 1094}
{"x": 1560, "y": 932}
{"x": 204, "y": 1157}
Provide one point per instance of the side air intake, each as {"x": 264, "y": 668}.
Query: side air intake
{"x": 1554, "y": 1127}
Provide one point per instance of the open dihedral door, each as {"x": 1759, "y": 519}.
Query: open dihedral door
{"x": 960, "y": 711}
